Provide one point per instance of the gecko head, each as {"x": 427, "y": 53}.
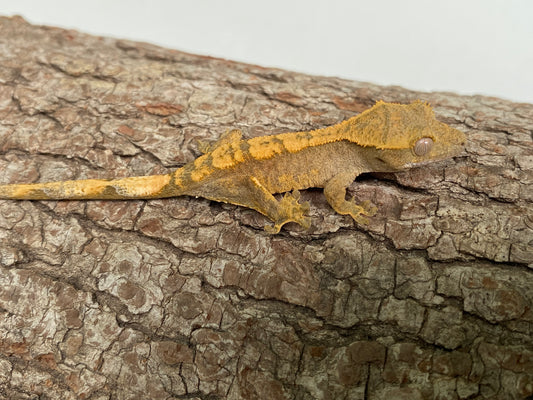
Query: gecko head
{"x": 404, "y": 136}
{"x": 437, "y": 141}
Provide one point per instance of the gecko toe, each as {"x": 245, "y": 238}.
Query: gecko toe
{"x": 273, "y": 229}
{"x": 368, "y": 208}
{"x": 290, "y": 210}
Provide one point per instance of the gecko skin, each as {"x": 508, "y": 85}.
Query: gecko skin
{"x": 385, "y": 138}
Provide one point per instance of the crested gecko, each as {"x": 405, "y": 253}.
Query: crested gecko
{"x": 388, "y": 137}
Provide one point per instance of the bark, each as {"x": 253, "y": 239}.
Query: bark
{"x": 186, "y": 298}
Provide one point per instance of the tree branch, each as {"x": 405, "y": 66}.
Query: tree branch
{"x": 186, "y": 297}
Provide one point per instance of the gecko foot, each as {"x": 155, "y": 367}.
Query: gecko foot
{"x": 290, "y": 210}
{"x": 359, "y": 211}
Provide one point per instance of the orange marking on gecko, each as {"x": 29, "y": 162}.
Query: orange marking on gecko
{"x": 265, "y": 147}
{"x": 202, "y": 168}
{"x": 227, "y": 155}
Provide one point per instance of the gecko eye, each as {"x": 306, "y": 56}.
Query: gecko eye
{"x": 423, "y": 146}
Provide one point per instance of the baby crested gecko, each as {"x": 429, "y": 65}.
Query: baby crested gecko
{"x": 247, "y": 172}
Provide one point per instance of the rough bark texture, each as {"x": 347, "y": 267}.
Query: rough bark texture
{"x": 186, "y": 298}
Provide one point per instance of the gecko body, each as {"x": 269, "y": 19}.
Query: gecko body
{"x": 247, "y": 172}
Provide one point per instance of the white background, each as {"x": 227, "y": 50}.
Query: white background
{"x": 464, "y": 46}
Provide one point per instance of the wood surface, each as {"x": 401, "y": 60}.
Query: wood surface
{"x": 190, "y": 299}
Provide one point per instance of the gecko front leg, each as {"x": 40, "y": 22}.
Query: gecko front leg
{"x": 335, "y": 192}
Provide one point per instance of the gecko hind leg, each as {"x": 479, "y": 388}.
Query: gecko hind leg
{"x": 249, "y": 192}
{"x": 335, "y": 192}
{"x": 288, "y": 209}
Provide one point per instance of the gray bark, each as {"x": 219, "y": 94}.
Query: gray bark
{"x": 186, "y": 298}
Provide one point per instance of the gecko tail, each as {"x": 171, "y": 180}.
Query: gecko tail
{"x": 138, "y": 187}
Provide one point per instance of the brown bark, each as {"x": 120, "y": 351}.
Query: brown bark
{"x": 186, "y": 298}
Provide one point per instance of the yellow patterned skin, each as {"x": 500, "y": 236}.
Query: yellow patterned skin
{"x": 385, "y": 138}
